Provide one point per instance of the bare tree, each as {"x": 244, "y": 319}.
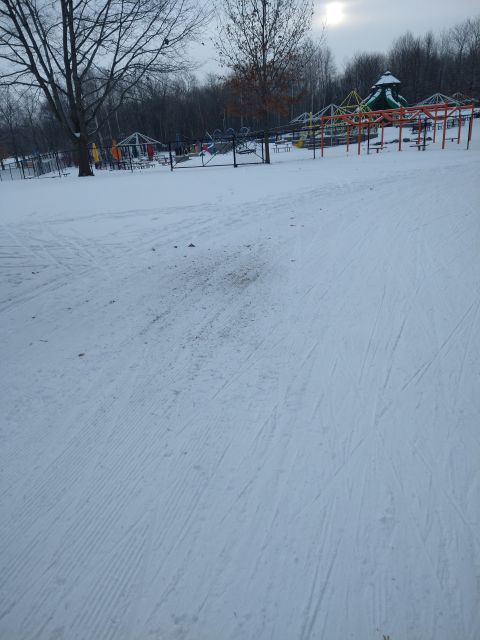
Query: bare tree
{"x": 82, "y": 52}
{"x": 259, "y": 40}
{"x": 10, "y": 121}
{"x": 461, "y": 46}
{"x": 316, "y": 73}
{"x": 361, "y": 72}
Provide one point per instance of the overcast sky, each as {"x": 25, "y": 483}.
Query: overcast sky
{"x": 368, "y": 25}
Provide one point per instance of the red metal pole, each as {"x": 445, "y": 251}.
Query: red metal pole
{"x": 359, "y": 134}
{"x": 459, "y": 124}
{"x": 381, "y": 143}
{"x": 435, "y": 126}
{"x": 444, "y": 125}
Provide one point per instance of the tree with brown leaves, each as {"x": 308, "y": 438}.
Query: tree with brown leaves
{"x": 259, "y": 41}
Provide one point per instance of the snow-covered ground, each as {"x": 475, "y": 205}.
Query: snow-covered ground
{"x": 273, "y": 434}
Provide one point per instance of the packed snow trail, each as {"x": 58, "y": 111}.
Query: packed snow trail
{"x": 272, "y": 434}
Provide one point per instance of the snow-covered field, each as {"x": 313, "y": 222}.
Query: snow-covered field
{"x": 273, "y": 434}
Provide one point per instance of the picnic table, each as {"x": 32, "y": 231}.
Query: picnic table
{"x": 282, "y": 146}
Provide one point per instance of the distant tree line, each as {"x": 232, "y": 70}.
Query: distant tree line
{"x": 176, "y": 102}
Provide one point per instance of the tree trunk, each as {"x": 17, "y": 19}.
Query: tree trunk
{"x": 83, "y": 156}
{"x": 266, "y": 142}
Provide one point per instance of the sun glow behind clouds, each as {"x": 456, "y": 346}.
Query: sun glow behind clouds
{"x": 333, "y": 14}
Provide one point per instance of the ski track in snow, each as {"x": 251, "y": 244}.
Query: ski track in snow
{"x": 271, "y": 435}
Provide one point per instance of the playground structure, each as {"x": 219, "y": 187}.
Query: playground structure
{"x": 457, "y": 100}
{"x": 360, "y": 131}
{"x": 440, "y": 98}
{"x": 421, "y": 119}
{"x": 138, "y": 145}
{"x": 352, "y": 122}
{"x": 136, "y": 151}
{"x": 352, "y": 103}
{"x": 334, "y": 131}
{"x": 385, "y": 94}
{"x": 364, "y": 119}
{"x": 139, "y": 151}
{"x": 463, "y": 99}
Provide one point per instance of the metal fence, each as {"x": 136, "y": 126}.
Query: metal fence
{"x": 52, "y": 164}
{"x": 358, "y": 133}
{"x": 222, "y": 149}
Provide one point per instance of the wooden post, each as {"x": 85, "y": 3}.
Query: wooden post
{"x": 359, "y": 134}
{"x": 435, "y": 126}
{"x": 381, "y": 143}
{"x": 322, "y": 134}
{"x": 470, "y": 126}
{"x": 234, "y": 152}
{"x": 419, "y": 137}
{"x": 459, "y": 124}
{"x": 348, "y": 137}
{"x": 400, "y": 130}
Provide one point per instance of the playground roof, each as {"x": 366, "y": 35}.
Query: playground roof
{"x": 387, "y": 78}
{"x": 440, "y": 98}
{"x": 137, "y": 139}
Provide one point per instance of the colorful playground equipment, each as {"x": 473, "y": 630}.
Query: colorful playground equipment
{"x": 363, "y": 119}
{"x": 385, "y": 94}
{"x": 116, "y": 151}
{"x": 137, "y": 151}
{"x": 334, "y": 131}
{"x": 351, "y": 104}
{"x": 138, "y": 145}
{"x": 360, "y": 126}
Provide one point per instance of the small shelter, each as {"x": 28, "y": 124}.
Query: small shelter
{"x": 463, "y": 99}
{"x": 440, "y": 98}
{"x": 139, "y": 145}
{"x": 457, "y": 100}
{"x": 385, "y": 94}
